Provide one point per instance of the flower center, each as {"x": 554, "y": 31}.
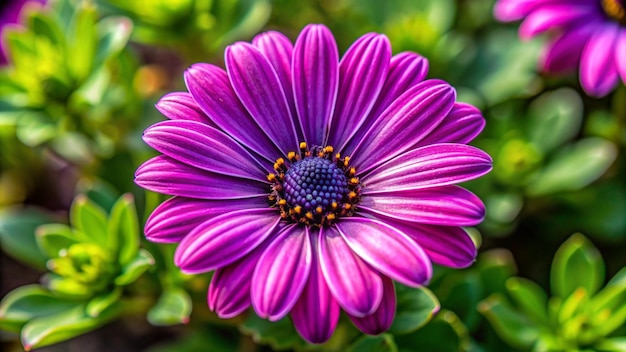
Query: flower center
{"x": 615, "y": 10}
{"x": 314, "y": 187}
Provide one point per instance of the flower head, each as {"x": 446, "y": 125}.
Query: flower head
{"x": 10, "y": 14}
{"x": 587, "y": 33}
{"x": 309, "y": 184}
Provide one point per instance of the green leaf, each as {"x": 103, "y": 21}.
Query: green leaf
{"x": 574, "y": 167}
{"x": 34, "y": 128}
{"x": 17, "y": 234}
{"x": 555, "y": 117}
{"x": 123, "y": 229}
{"x": 173, "y": 307}
{"x": 99, "y": 191}
{"x": 577, "y": 263}
{"x": 61, "y": 326}
{"x": 43, "y": 25}
{"x": 511, "y": 326}
{"x": 52, "y": 238}
{"x": 415, "y": 307}
{"x": 83, "y": 40}
{"x": 114, "y": 34}
{"x": 444, "y": 333}
{"x": 28, "y": 302}
{"x": 572, "y": 306}
{"x": 494, "y": 268}
{"x": 100, "y": 303}
{"x": 619, "y": 278}
{"x": 91, "y": 93}
{"x": 74, "y": 147}
{"x": 530, "y": 297}
{"x": 67, "y": 287}
{"x": 608, "y": 309}
{"x": 613, "y": 344}
{"x": 133, "y": 270}
{"x": 380, "y": 343}
{"x": 460, "y": 292}
{"x": 90, "y": 219}
{"x": 280, "y": 335}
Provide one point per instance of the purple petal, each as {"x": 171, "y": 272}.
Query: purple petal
{"x": 204, "y": 147}
{"x": 387, "y": 250}
{"x": 563, "y": 53}
{"x": 381, "y": 320}
{"x": 176, "y": 217}
{"x": 315, "y": 78}
{"x": 260, "y": 91}
{"x": 229, "y": 291}
{"x": 598, "y": 71}
{"x": 165, "y": 175}
{"x": 316, "y": 313}
{"x": 354, "y": 284}
{"x": 278, "y": 49}
{"x": 182, "y": 106}
{"x": 282, "y": 273}
{"x": 362, "y": 73}
{"x": 445, "y": 245}
{"x": 211, "y": 89}
{"x": 430, "y": 166}
{"x": 513, "y": 10}
{"x": 551, "y": 16}
{"x": 447, "y": 205}
{"x": 404, "y": 123}
{"x": 620, "y": 54}
{"x": 405, "y": 70}
{"x": 225, "y": 238}
{"x": 461, "y": 125}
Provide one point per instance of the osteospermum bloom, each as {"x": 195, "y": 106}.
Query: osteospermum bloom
{"x": 11, "y": 14}
{"x": 587, "y": 33}
{"x": 309, "y": 184}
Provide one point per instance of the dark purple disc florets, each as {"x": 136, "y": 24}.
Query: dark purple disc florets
{"x": 314, "y": 187}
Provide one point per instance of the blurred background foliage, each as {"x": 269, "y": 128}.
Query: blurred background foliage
{"x": 79, "y": 91}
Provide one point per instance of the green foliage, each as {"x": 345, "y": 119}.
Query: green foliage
{"x": 415, "y": 307}
{"x": 536, "y": 155}
{"x": 580, "y": 315}
{"x": 173, "y": 307}
{"x": 382, "y": 343}
{"x": 90, "y": 262}
{"x": 197, "y": 28}
{"x": 76, "y": 96}
{"x": 17, "y": 233}
{"x": 69, "y": 87}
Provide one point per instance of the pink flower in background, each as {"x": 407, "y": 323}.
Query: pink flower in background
{"x": 11, "y": 14}
{"x": 590, "y": 34}
{"x": 310, "y": 184}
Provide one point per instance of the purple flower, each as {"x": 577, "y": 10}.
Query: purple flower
{"x": 309, "y": 184}
{"x": 589, "y": 33}
{"x": 10, "y": 14}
